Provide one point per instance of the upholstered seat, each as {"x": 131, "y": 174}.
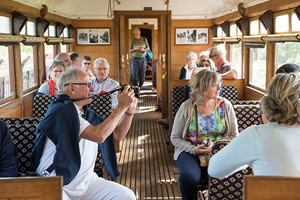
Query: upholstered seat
{"x": 230, "y": 187}
{"x": 247, "y": 115}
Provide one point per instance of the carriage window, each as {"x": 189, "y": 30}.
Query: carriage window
{"x": 63, "y": 47}
{"x": 287, "y": 52}
{"x": 220, "y": 32}
{"x": 282, "y": 24}
{"x": 27, "y": 63}
{"x": 257, "y": 72}
{"x": 49, "y": 57}
{"x": 6, "y": 76}
{"x": 295, "y": 23}
{"x": 5, "y": 25}
{"x": 236, "y": 57}
{"x": 52, "y": 31}
{"x": 254, "y": 29}
{"x": 31, "y": 28}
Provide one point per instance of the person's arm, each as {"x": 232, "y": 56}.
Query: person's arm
{"x": 239, "y": 152}
{"x": 230, "y": 75}
{"x": 125, "y": 123}
{"x": 231, "y": 122}
{"x": 178, "y": 129}
{"x": 100, "y": 132}
{"x": 8, "y": 156}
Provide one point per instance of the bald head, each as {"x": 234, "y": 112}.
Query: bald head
{"x": 65, "y": 58}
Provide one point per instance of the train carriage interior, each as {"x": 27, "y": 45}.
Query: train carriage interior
{"x": 259, "y": 36}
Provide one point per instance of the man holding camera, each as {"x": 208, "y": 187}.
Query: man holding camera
{"x": 102, "y": 83}
{"x": 68, "y": 137}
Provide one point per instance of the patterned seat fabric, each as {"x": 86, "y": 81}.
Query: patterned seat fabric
{"x": 22, "y": 131}
{"x": 230, "y": 93}
{"x": 24, "y": 139}
{"x": 246, "y": 102}
{"x": 230, "y": 187}
{"x": 40, "y": 105}
{"x": 101, "y": 104}
{"x": 247, "y": 115}
{"x": 177, "y": 99}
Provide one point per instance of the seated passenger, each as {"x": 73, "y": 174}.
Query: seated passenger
{"x": 86, "y": 64}
{"x": 226, "y": 69}
{"x": 68, "y": 137}
{"x": 271, "y": 149}
{"x": 75, "y": 59}
{"x": 204, "y": 116}
{"x": 65, "y": 58}
{"x": 187, "y": 70}
{"x": 49, "y": 87}
{"x": 286, "y": 68}
{"x": 102, "y": 83}
{"x": 8, "y": 155}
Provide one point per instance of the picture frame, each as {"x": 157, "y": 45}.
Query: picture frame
{"x": 191, "y": 36}
{"x": 93, "y": 36}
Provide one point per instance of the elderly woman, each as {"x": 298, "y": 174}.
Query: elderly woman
{"x": 187, "y": 70}
{"x": 204, "y": 116}
{"x": 270, "y": 149}
{"x": 49, "y": 87}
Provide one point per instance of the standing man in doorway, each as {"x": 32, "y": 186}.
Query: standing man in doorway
{"x": 138, "y": 47}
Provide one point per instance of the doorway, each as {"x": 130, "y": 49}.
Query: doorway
{"x": 123, "y": 37}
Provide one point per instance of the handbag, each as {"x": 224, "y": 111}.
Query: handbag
{"x": 203, "y": 158}
{"x": 149, "y": 54}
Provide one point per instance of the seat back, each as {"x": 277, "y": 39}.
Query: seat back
{"x": 40, "y": 105}
{"x": 247, "y": 115}
{"x": 230, "y": 93}
{"x": 101, "y": 104}
{"x": 177, "y": 99}
{"x": 230, "y": 187}
{"x": 29, "y": 188}
{"x": 24, "y": 139}
{"x": 271, "y": 187}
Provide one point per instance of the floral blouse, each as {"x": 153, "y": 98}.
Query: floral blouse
{"x": 211, "y": 126}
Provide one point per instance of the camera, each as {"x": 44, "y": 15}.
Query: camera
{"x": 206, "y": 142}
{"x": 136, "y": 90}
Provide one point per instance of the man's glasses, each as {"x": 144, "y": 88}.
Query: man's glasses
{"x": 87, "y": 63}
{"x": 89, "y": 84}
{"x": 101, "y": 69}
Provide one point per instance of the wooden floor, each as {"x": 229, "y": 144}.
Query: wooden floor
{"x": 145, "y": 163}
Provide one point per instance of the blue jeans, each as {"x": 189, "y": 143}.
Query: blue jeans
{"x": 190, "y": 175}
{"x": 137, "y": 71}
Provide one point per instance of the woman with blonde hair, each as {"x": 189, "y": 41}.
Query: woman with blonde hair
{"x": 271, "y": 149}
{"x": 204, "y": 117}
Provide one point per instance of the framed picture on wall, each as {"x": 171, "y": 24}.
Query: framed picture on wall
{"x": 93, "y": 36}
{"x": 191, "y": 36}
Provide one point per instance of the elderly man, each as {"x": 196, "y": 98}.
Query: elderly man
{"x": 226, "y": 69}
{"x": 65, "y": 58}
{"x": 68, "y": 137}
{"x": 102, "y": 83}
{"x": 138, "y": 47}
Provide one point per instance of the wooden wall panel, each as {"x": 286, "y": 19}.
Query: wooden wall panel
{"x": 179, "y": 52}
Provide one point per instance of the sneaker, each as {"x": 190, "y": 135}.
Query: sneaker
{"x": 163, "y": 122}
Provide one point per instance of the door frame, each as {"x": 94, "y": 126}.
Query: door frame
{"x": 122, "y": 38}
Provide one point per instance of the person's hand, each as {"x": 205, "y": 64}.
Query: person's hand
{"x": 126, "y": 98}
{"x": 142, "y": 49}
{"x": 136, "y": 48}
{"x": 202, "y": 149}
{"x": 133, "y": 106}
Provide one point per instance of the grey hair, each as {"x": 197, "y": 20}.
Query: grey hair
{"x": 99, "y": 61}
{"x": 282, "y": 101}
{"x": 191, "y": 54}
{"x": 218, "y": 50}
{"x": 203, "y": 55}
{"x": 69, "y": 76}
{"x": 201, "y": 84}
{"x": 57, "y": 63}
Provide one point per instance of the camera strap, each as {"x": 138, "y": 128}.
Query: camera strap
{"x": 196, "y": 121}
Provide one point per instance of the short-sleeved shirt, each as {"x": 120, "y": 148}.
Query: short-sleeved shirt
{"x": 106, "y": 86}
{"x": 226, "y": 67}
{"x": 45, "y": 89}
{"x": 211, "y": 126}
{"x": 142, "y": 42}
